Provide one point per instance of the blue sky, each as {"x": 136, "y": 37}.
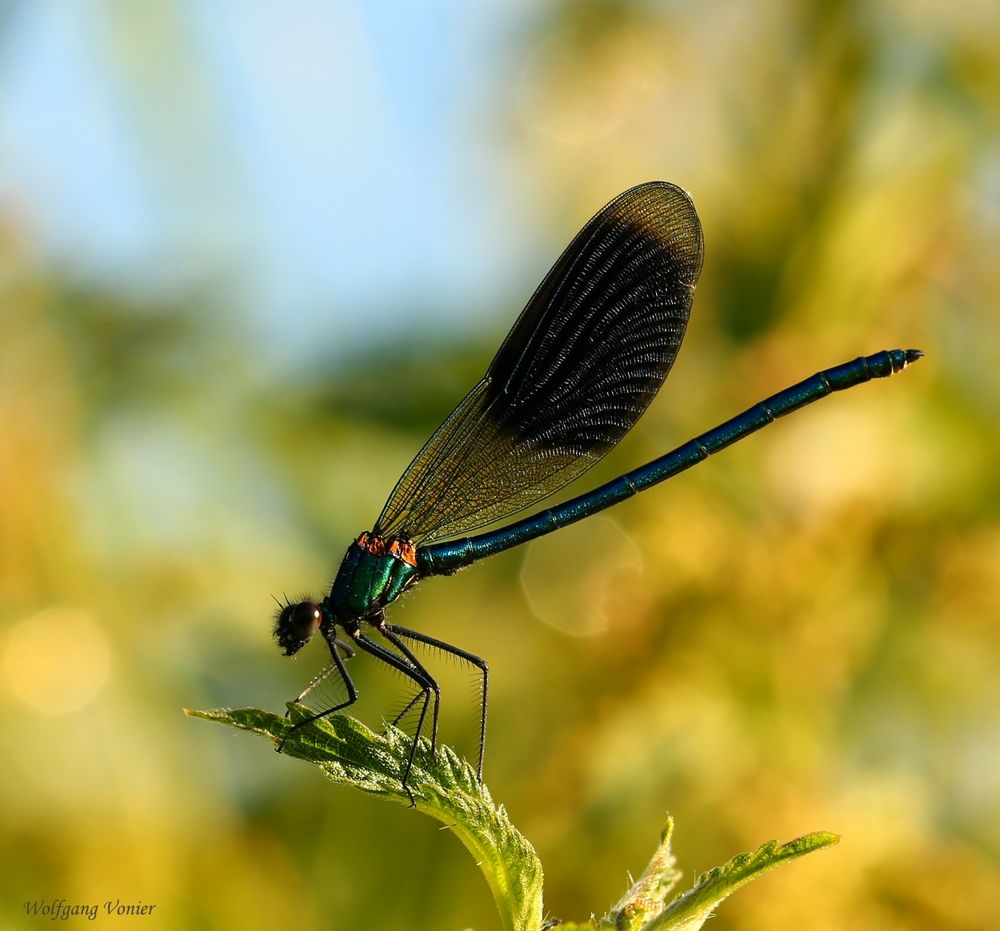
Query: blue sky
{"x": 345, "y": 159}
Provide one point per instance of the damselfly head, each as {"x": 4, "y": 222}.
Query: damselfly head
{"x": 294, "y": 624}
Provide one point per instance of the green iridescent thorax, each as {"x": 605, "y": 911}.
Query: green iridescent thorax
{"x": 367, "y": 582}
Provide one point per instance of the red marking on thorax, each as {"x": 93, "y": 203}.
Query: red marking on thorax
{"x": 402, "y": 550}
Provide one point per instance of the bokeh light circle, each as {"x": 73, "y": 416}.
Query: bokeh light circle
{"x": 57, "y": 660}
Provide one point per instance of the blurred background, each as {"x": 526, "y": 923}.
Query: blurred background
{"x": 250, "y": 255}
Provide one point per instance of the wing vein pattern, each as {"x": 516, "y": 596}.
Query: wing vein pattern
{"x": 581, "y": 364}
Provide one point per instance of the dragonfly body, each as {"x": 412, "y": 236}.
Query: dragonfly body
{"x": 374, "y": 573}
{"x": 582, "y": 362}
{"x": 443, "y": 559}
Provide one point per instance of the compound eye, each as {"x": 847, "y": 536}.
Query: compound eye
{"x": 295, "y": 624}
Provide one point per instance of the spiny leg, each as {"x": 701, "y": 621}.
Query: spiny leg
{"x": 406, "y": 710}
{"x": 345, "y": 646}
{"x": 389, "y": 632}
{"x": 325, "y": 674}
{"x": 316, "y": 680}
{"x": 413, "y": 672}
{"x": 470, "y": 658}
{"x": 345, "y": 677}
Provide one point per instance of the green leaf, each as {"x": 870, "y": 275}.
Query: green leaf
{"x": 648, "y": 894}
{"x": 690, "y": 909}
{"x": 444, "y": 786}
{"x": 643, "y": 907}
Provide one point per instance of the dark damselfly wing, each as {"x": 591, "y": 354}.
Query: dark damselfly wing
{"x": 581, "y": 364}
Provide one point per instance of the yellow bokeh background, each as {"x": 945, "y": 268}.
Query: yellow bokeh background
{"x": 800, "y": 634}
